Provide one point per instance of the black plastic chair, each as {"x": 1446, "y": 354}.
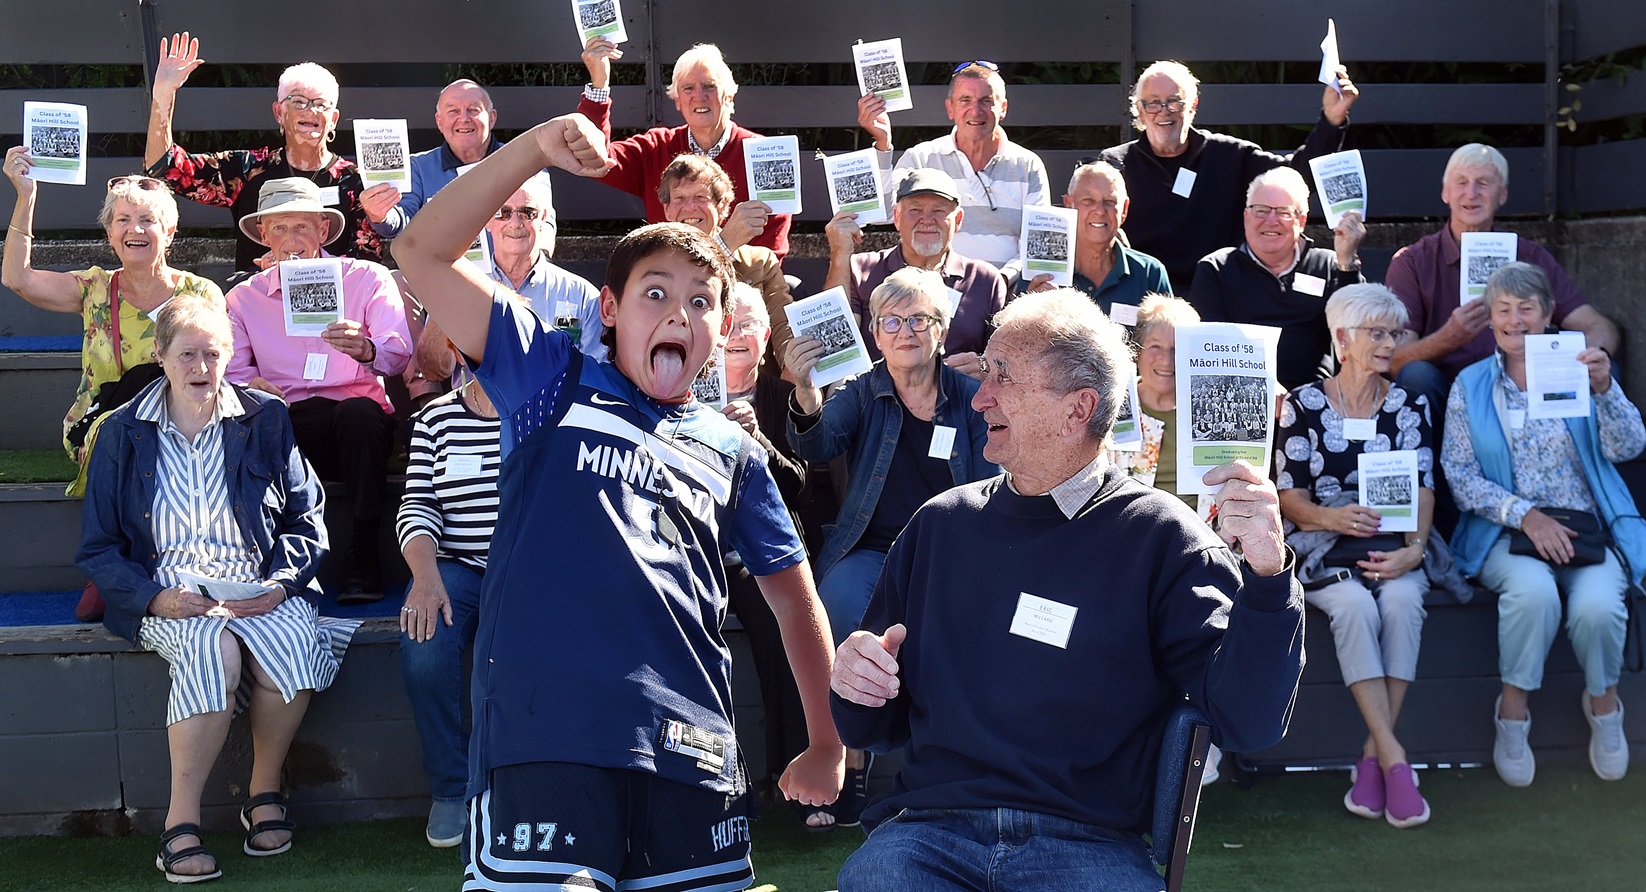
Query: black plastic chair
{"x": 1177, "y": 789}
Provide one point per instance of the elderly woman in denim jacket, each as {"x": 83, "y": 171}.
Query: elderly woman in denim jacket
{"x": 194, "y": 484}
{"x": 908, "y": 431}
{"x": 1506, "y": 468}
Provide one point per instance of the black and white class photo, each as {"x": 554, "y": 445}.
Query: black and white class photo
{"x": 1388, "y": 489}
{"x": 835, "y": 332}
{"x": 1048, "y": 244}
{"x": 856, "y": 187}
{"x": 881, "y": 76}
{"x": 596, "y": 15}
{"x": 769, "y": 175}
{"x": 1232, "y": 408}
{"x": 313, "y": 297}
{"x": 382, "y": 155}
{"x": 54, "y": 142}
{"x": 1342, "y": 187}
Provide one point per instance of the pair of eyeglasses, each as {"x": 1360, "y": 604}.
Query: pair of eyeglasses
{"x": 148, "y": 184}
{"x": 1285, "y": 215}
{"x": 526, "y": 214}
{"x": 1156, "y": 106}
{"x": 980, "y": 63}
{"x": 917, "y": 323}
{"x": 747, "y": 326}
{"x": 304, "y": 103}
{"x": 1378, "y": 333}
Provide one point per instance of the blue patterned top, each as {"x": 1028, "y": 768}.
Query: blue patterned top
{"x": 1547, "y": 468}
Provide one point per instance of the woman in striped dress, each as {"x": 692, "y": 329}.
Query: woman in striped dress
{"x": 195, "y": 483}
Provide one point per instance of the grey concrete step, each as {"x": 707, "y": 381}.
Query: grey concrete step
{"x": 36, "y": 390}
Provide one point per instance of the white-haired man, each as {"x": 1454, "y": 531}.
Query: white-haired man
{"x": 1276, "y": 276}
{"x": 997, "y": 177}
{"x": 704, "y": 93}
{"x": 305, "y": 108}
{"x": 1452, "y": 335}
{"x": 1042, "y": 780}
{"x": 1106, "y": 269}
{"x": 1187, "y": 184}
{"x": 332, "y": 383}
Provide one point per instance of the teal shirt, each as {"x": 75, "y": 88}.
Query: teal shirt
{"x": 1133, "y": 275}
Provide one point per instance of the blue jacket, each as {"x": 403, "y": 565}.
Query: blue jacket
{"x": 864, "y": 411}
{"x": 1475, "y": 535}
{"x": 277, "y": 502}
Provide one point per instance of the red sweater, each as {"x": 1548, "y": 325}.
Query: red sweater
{"x": 641, "y": 158}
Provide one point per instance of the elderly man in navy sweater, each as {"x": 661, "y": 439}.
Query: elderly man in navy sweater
{"x": 1031, "y": 633}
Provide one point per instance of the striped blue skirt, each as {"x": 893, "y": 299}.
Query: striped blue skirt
{"x": 298, "y": 648}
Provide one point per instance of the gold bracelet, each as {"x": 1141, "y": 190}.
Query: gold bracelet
{"x": 27, "y": 235}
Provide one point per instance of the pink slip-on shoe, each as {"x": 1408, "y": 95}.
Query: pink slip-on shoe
{"x": 1365, "y": 797}
{"x": 1405, "y": 807}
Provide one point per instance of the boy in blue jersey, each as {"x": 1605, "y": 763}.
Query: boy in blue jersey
{"x": 603, "y": 753}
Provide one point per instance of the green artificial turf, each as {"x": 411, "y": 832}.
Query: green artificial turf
{"x": 1567, "y": 831}
{"x": 35, "y": 466}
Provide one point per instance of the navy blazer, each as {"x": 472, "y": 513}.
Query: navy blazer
{"x": 276, "y": 497}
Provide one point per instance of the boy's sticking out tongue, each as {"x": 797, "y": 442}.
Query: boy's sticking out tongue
{"x": 669, "y": 369}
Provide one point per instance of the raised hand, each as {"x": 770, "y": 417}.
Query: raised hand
{"x": 178, "y": 59}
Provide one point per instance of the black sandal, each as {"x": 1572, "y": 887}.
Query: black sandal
{"x": 169, "y": 857}
{"x": 806, "y": 813}
{"x": 261, "y": 827}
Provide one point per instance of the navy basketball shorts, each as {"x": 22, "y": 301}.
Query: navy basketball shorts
{"x": 561, "y": 827}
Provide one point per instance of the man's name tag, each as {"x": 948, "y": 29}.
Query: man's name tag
{"x": 1124, "y": 314}
{"x": 1359, "y": 428}
{"x": 1042, "y": 620}
{"x": 942, "y": 442}
{"x": 694, "y": 743}
{"x": 1517, "y": 418}
{"x": 314, "y": 368}
{"x": 1185, "y": 182}
{"x": 954, "y": 301}
{"x": 1314, "y": 286}
{"x": 465, "y": 168}
{"x": 463, "y": 464}
{"x": 330, "y": 197}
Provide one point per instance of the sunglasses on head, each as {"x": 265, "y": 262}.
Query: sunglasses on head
{"x": 148, "y": 184}
{"x": 981, "y": 63}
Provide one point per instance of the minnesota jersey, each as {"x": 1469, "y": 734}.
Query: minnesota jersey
{"x": 599, "y": 639}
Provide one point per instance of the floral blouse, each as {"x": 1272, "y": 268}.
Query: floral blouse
{"x": 1315, "y": 456}
{"x": 232, "y": 180}
{"x": 98, "y": 364}
{"x": 1547, "y": 470}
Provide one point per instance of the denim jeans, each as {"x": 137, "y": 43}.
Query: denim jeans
{"x": 437, "y": 676}
{"x": 845, "y": 592}
{"x": 1528, "y": 615}
{"x": 988, "y": 849}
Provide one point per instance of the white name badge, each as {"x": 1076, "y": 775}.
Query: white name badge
{"x": 465, "y": 168}
{"x": 1185, "y": 182}
{"x": 1359, "y": 428}
{"x": 1042, "y": 620}
{"x": 330, "y": 197}
{"x": 954, "y": 301}
{"x": 1124, "y": 314}
{"x": 1314, "y": 286}
{"x": 1517, "y": 418}
{"x": 463, "y": 464}
{"x": 314, "y": 368}
{"x": 942, "y": 442}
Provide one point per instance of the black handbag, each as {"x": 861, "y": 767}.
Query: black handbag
{"x": 1349, "y": 549}
{"x": 1588, "y": 548}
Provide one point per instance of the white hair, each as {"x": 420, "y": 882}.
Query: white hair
{"x": 1081, "y": 348}
{"x": 707, "y": 55}
{"x": 308, "y": 74}
{"x": 1361, "y": 304}
{"x": 1180, "y": 75}
{"x": 1104, "y": 171}
{"x": 1285, "y": 178}
{"x": 1478, "y": 155}
{"x": 749, "y": 299}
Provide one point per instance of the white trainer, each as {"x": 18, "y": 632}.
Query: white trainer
{"x": 1608, "y": 748}
{"x": 1511, "y": 753}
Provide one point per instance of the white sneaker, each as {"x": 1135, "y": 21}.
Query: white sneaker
{"x": 1214, "y": 759}
{"x": 1511, "y": 754}
{"x": 1608, "y": 748}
